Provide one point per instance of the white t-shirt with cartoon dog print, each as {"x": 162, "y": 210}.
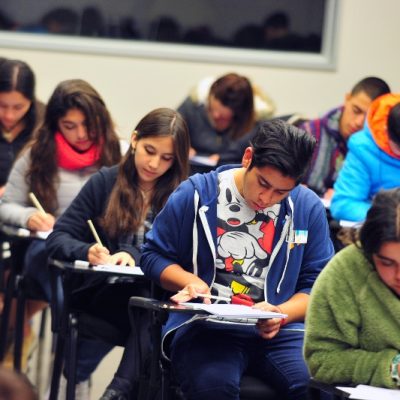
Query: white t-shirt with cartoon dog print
{"x": 244, "y": 242}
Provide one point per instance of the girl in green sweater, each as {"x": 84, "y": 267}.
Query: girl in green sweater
{"x": 353, "y": 320}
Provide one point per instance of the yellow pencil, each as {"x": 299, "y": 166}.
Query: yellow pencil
{"x": 36, "y": 203}
{"x": 93, "y": 229}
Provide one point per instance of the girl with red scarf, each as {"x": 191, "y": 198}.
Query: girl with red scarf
{"x": 76, "y": 139}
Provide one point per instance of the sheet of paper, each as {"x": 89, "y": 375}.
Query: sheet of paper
{"x": 24, "y": 232}
{"x": 203, "y": 160}
{"x": 119, "y": 269}
{"x": 43, "y": 234}
{"x": 347, "y": 224}
{"x": 326, "y": 202}
{"x": 366, "y": 392}
{"x": 110, "y": 268}
{"x": 235, "y": 311}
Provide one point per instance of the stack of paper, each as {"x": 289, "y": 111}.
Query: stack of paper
{"x": 234, "y": 311}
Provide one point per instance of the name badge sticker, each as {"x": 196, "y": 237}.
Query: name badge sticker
{"x": 300, "y": 236}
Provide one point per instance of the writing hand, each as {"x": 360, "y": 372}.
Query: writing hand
{"x": 40, "y": 222}
{"x": 190, "y": 292}
{"x": 192, "y": 152}
{"x": 121, "y": 258}
{"x": 268, "y": 328}
{"x": 214, "y": 158}
{"x": 98, "y": 254}
{"x": 328, "y": 194}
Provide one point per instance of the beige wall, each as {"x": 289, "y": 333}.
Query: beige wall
{"x": 368, "y": 34}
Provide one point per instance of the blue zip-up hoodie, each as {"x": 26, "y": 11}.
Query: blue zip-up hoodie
{"x": 185, "y": 233}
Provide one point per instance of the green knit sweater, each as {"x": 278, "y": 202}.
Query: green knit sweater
{"x": 352, "y": 323}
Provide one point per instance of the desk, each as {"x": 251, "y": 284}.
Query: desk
{"x": 318, "y": 391}
{"x": 250, "y": 388}
{"x": 69, "y": 321}
{"x": 19, "y": 239}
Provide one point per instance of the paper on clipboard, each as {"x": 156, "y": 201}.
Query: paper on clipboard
{"x": 234, "y": 311}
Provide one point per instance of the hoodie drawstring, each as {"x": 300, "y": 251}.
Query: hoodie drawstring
{"x": 195, "y": 234}
{"x": 291, "y": 235}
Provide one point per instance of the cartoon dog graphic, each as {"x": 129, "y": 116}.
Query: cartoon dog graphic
{"x": 244, "y": 236}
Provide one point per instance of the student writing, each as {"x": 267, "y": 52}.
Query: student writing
{"x": 77, "y": 138}
{"x": 122, "y": 202}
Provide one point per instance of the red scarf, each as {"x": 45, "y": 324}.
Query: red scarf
{"x": 69, "y": 158}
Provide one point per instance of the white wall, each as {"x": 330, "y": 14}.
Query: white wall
{"x": 368, "y": 45}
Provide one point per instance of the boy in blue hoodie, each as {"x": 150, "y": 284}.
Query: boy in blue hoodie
{"x": 242, "y": 230}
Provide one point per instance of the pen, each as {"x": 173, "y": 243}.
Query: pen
{"x": 36, "y": 203}
{"x": 208, "y": 296}
{"x": 93, "y": 229}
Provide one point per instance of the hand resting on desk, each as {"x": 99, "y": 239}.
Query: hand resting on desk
{"x": 121, "y": 258}
{"x": 191, "y": 291}
{"x": 98, "y": 254}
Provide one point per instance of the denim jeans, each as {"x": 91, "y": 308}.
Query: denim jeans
{"x": 90, "y": 354}
{"x": 209, "y": 359}
{"x": 36, "y": 270}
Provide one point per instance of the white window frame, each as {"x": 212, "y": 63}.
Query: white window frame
{"x": 326, "y": 59}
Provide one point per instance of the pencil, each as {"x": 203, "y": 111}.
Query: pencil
{"x": 36, "y": 203}
{"x": 209, "y": 296}
{"x": 93, "y": 229}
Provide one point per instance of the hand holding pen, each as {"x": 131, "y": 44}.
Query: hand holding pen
{"x": 97, "y": 254}
{"x": 40, "y": 220}
{"x": 193, "y": 291}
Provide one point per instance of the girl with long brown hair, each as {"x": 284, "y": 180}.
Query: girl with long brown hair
{"x": 122, "y": 202}
{"x": 76, "y": 139}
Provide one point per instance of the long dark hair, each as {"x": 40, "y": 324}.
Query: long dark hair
{"x": 16, "y": 75}
{"x": 235, "y": 92}
{"x": 382, "y": 224}
{"x": 124, "y": 209}
{"x": 393, "y": 127}
{"x": 70, "y": 94}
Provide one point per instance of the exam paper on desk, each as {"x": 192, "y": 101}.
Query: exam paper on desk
{"x": 111, "y": 268}
{"x": 234, "y": 311}
{"x": 366, "y": 392}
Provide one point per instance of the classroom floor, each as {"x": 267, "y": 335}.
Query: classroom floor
{"x": 100, "y": 378}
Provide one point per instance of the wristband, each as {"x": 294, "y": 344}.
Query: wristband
{"x": 394, "y": 372}
{"x": 283, "y": 320}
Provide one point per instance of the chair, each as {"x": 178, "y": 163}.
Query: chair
{"x": 16, "y": 287}
{"x": 69, "y": 323}
{"x": 251, "y": 388}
